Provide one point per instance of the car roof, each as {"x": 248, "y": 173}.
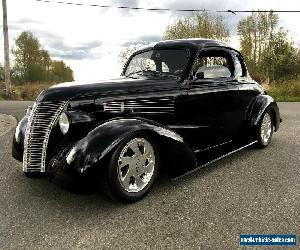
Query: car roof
{"x": 190, "y": 42}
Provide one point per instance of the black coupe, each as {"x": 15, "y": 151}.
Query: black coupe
{"x": 179, "y": 104}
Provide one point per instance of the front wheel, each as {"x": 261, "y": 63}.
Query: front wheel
{"x": 133, "y": 168}
{"x": 265, "y": 130}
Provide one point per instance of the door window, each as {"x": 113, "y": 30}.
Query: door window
{"x": 240, "y": 69}
{"x": 213, "y": 64}
{"x": 164, "y": 67}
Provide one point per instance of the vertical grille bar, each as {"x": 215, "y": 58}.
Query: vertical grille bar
{"x": 40, "y": 123}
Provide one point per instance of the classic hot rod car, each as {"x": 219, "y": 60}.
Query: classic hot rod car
{"x": 179, "y": 104}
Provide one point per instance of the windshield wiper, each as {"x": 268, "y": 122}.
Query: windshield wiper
{"x": 146, "y": 73}
{"x": 154, "y": 73}
{"x": 135, "y": 72}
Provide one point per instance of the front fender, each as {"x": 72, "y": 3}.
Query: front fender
{"x": 18, "y": 139}
{"x": 103, "y": 139}
{"x": 258, "y": 107}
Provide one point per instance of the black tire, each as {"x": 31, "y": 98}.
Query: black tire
{"x": 261, "y": 141}
{"x": 113, "y": 179}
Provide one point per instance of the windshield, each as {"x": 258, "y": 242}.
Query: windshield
{"x": 158, "y": 63}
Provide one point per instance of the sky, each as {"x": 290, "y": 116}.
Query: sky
{"x": 89, "y": 39}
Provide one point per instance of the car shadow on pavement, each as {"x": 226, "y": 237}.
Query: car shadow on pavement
{"x": 93, "y": 192}
{"x": 95, "y": 186}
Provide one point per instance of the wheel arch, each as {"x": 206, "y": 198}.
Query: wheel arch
{"x": 258, "y": 107}
{"x": 95, "y": 148}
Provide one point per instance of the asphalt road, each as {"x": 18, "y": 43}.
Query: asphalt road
{"x": 250, "y": 192}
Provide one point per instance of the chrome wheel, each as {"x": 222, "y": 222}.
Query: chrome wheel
{"x": 266, "y": 128}
{"x": 136, "y": 165}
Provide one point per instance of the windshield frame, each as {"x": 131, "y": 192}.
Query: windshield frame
{"x": 181, "y": 76}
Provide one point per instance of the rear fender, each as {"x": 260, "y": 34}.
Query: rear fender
{"x": 259, "y": 106}
{"x": 90, "y": 150}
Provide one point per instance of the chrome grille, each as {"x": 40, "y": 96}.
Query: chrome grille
{"x": 40, "y": 122}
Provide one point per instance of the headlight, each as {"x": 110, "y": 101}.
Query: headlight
{"x": 64, "y": 123}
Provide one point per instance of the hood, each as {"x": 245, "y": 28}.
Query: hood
{"x": 73, "y": 90}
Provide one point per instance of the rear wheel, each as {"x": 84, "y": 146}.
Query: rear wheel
{"x": 265, "y": 130}
{"x": 133, "y": 168}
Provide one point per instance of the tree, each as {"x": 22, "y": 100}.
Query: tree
{"x": 127, "y": 52}
{"x": 6, "y": 52}
{"x": 269, "y": 52}
{"x": 202, "y": 25}
{"x": 1, "y": 73}
{"x": 27, "y": 54}
{"x": 256, "y": 33}
{"x": 60, "y": 72}
{"x": 45, "y": 62}
{"x": 33, "y": 63}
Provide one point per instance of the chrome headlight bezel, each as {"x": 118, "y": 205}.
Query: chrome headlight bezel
{"x": 71, "y": 155}
{"x": 28, "y": 111}
{"x": 18, "y": 132}
{"x": 64, "y": 123}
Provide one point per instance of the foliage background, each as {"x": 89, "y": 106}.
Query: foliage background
{"x": 33, "y": 70}
{"x": 268, "y": 49}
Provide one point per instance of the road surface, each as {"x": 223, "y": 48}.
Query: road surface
{"x": 250, "y": 192}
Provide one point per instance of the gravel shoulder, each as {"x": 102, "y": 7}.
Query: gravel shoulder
{"x": 7, "y": 122}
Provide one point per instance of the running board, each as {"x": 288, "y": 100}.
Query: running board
{"x": 206, "y": 158}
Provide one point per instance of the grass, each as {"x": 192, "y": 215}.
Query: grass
{"x": 24, "y": 92}
{"x": 285, "y": 91}
{"x": 2, "y": 96}
{"x": 29, "y": 91}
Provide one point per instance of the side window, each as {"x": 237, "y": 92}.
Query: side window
{"x": 149, "y": 65}
{"x": 214, "y": 64}
{"x": 164, "y": 67}
{"x": 240, "y": 69}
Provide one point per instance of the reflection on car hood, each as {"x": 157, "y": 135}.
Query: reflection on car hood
{"x": 70, "y": 90}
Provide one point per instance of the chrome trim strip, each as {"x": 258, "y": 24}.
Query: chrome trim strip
{"x": 186, "y": 126}
{"x": 140, "y": 107}
{"x": 215, "y": 146}
{"x": 210, "y": 162}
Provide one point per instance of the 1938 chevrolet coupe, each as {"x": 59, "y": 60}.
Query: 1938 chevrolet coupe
{"x": 181, "y": 104}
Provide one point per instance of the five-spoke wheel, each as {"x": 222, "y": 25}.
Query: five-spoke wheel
{"x": 133, "y": 168}
{"x": 136, "y": 165}
{"x": 265, "y": 130}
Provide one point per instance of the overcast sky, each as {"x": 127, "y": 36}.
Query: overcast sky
{"x": 89, "y": 39}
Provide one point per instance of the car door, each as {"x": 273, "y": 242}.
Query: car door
{"x": 210, "y": 108}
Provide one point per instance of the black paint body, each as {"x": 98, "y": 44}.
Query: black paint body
{"x": 184, "y": 116}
